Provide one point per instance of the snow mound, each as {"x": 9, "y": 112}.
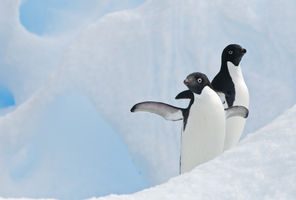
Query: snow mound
{"x": 262, "y": 166}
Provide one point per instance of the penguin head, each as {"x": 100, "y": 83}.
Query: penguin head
{"x": 233, "y": 53}
{"x": 196, "y": 82}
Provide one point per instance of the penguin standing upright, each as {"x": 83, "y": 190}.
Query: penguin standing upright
{"x": 203, "y": 132}
{"x": 230, "y": 85}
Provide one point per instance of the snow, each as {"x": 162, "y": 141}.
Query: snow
{"x": 262, "y": 166}
{"x": 125, "y": 57}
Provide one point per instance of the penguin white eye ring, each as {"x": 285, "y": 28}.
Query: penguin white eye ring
{"x": 230, "y": 52}
{"x": 199, "y": 80}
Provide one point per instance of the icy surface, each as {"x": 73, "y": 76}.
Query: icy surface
{"x": 6, "y": 97}
{"x": 52, "y": 17}
{"x": 135, "y": 55}
{"x": 262, "y": 166}
{"x": 69, "y": 154}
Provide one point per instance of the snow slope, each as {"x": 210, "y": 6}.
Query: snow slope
{"x": 262, "y": 166}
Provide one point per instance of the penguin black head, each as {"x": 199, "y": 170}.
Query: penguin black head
{"x": 196, "y": 82}
{"x": 233, "y": 53}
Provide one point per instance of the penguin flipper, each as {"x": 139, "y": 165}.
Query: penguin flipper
{"x": 166, "y": 111}
{"x": 187, "y": 94}
{"x": 234, "y": 111}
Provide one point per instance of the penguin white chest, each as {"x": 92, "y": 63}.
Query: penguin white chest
{"x": 204, "y": 134}
{"x": 241, "y": 90}
{"x": 235, "y": 125}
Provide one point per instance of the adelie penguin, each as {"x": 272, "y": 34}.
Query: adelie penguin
{"x": 203, "y": 132}
{"x": 230, "y": 86}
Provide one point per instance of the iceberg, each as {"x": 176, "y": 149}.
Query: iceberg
{"x": 141, "y": 54}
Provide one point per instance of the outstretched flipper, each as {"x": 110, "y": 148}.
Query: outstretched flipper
{"x": 234, "y": 111}
{"x": 187, "y": 94}
{"x": 166, "y": 111}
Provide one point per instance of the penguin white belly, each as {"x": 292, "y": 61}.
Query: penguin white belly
{"x": 235, "y": 125}
{"x": 204, "y": 134}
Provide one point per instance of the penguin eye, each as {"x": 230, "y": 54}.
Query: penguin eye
{"x": 199, "y": 80}
{"x": 230, "y": 52}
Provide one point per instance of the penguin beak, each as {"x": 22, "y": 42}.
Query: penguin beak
{"x": 186, "y": 82}
{"x": 244, "y": 51}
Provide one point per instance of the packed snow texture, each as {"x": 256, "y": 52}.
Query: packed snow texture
{"x": 262, "y": 166}
{"x": 142, "y": 54}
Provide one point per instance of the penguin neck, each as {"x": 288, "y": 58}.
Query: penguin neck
{"x": 224, "y": 72}
{"x": 205, "y": 95}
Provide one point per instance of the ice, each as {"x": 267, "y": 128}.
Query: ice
{"x": 86, "y": 157}
{"x": 144, "y": 54}
{"x": 53, "y": 141}
{"x": 6, "y": 97}
{"x": 53, "y": 17}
